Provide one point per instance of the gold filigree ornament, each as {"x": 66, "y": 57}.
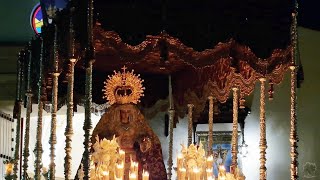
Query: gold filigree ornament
{"x": 123, "y": 87}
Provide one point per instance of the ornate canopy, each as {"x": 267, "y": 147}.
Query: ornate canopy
{"x": 197, "y": 71}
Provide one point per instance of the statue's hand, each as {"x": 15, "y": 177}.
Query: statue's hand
{"x": 145, "y": 144}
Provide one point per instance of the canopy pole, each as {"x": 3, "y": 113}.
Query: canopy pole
{"x": 210, "y": 122}
{"x": 263, "y": 141}
{"x": 38, "y": 147}
{"x": 69, "y": 129}
{"x": 171, "y": 119}
{"x": 190, "y": 121}
{"x": 234, "y": 151}
{"x": 54, "y": 108}
{"x": 293, "y": 99}
{"x": 29, "y": 95}
{"x": 17, "y": 114}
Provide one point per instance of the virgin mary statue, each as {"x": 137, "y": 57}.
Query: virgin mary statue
{"x": 126, "y": 122}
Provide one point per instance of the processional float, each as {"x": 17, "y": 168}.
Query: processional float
{"x": 52, "y": 57}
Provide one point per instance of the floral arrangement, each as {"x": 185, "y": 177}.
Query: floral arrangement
{"x": 104, "y": 160}
{"x": 193, "y": 156}
{"x": 192, "y": 163}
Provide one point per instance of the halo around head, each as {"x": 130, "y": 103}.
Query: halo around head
{"x": 123, "y": 87}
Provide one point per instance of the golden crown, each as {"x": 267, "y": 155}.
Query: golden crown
{"x": 123, "y": 88}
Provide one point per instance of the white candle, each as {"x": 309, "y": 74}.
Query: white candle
{"x": 182, "y": 173}
{"x": 132, "y": 176}
{"x": 209, "y": 172}
{"x": 105, "y": 175}
{"x": 222, "y": 169}
{"x": 210, "y": 161}
{"x": 196, "y": 172}
{"x": 132, "y": 164}
{"x": 179, "y": 161}
{"x": 119, "y": 170}
{"x": 122, "y": 155}
{"x": 145, "y": 175}
{"x": 136, "y": 165}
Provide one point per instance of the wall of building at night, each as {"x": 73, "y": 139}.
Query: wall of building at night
{"x": 277, "y": 114}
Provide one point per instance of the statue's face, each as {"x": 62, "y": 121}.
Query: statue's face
{"x": 127, "y": 126}
{"x": 126, "y": 116}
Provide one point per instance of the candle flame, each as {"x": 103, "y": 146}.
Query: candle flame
{"x": 121, "y": 152}
{"x": 145, "y": 173}
{"x": 183, "y": 169}
{"x": 132, "y": 175}
{"x": 105, "y": 173}
{"x": 196, "y": 170}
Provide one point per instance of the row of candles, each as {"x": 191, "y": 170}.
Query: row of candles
{"x": 119, "y": 171}
{"x": 199, "y": 173}
{"x": 195, "y": 173}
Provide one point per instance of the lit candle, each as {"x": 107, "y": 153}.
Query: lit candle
{"x": 179, "y": 161}
{"x": 209, "y": 172}
{"x": 132, "y": 166}
{"x": 105, "y": 175}
{"x": 210, "y": 162}
{"x": 119, "y": 170}
{"x": 145, "y": 175}
{"x": 182, "y": 173}
{"x": 136, "y": 165}
{"x": 196, "y": 173}
{"x": 222, "y": 169}
{"x": 122, "y": 155}
{"x": 132, "y": 176}
{"x": 9, "y": 168}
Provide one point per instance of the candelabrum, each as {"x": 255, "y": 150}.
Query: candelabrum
{"x": 108, "y": 163}
{"x": 193, "y": 164}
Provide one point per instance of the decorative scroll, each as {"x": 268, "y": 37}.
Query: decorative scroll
{"x": 263, "y": 141}
{"x": 210, "y": 138}
{"x": 235, "y": 130}
{"x": 190, "y": 122}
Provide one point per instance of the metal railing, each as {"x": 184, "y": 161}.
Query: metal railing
{"x": 7, "y": 127}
